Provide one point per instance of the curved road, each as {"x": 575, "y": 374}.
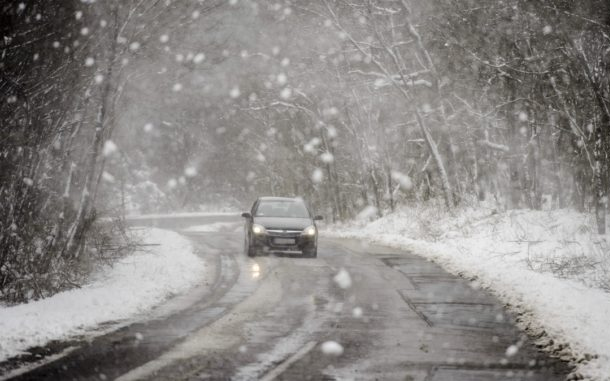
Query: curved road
{"x": 402, "y": 318}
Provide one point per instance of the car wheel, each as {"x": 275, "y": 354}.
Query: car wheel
{"x": 310, "y": 253}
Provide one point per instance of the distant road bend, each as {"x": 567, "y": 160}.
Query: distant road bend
{"x": 285, "y": 318}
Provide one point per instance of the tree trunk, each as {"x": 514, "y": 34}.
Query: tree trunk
{"x": 83, "y": 215}
{"x": 601, "y": 198}
{"x": 514, "y": 142}
{"x": 445, "y": 184}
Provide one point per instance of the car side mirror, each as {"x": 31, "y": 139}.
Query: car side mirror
{"x": 246, "y": 215}
{"x": 318, "y": 218}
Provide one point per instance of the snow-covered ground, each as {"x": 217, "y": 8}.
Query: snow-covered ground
{"x": 214, "y": 227}
{"x": 130, "y": 287}
{"x": 135, "y": 217}
{"x": 551, "y": 267}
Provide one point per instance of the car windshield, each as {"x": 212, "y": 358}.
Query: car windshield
{"x": 293, "y": 209}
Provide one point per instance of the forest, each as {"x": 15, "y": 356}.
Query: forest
{"x": 130, "y": 106}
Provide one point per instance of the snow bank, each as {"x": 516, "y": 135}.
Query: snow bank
{"x": 136, "y": 217}
{"x": 550, "y": 266}
{"x": 131, "y": 286}
{"x": 214, "y": 227}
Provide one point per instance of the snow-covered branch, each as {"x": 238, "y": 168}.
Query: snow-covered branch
{"x": 494, "y": 146}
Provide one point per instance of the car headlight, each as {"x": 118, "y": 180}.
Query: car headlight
{"x": 309, "y": 231}
{"x": 258, "y": 229}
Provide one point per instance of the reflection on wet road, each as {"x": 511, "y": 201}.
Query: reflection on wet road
{"x": 255, "y": 270}
{"x": 400, "y": 318}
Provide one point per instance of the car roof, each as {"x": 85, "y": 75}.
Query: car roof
{"x": 269, "y": 198}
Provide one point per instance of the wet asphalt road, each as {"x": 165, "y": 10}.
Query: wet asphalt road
{"x": 402, "y": 318}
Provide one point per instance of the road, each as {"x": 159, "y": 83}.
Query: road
{"x": 402, "y": 318}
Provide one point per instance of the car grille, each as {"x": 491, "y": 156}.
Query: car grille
{"x": 284, "y": 233}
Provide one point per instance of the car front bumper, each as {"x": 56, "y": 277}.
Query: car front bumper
{"x": 283, "y": 242}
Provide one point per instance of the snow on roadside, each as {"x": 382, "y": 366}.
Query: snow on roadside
{"x": 133, "y": 285}
{"x": 136, "y": 217}
{"x": 214, "y": 227}
{"x": 550, "y": 266}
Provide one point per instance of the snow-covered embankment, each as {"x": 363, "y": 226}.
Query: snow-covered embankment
{"x": 133, "y": 285}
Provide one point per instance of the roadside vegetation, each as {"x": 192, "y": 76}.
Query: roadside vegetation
{"x": 356, "y": 104}
{"x": 61, "y": 73}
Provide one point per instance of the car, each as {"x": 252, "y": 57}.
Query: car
{"x": 281, "y": 224}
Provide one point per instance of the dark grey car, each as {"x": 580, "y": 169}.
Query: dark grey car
{"x": 281, "y": 224}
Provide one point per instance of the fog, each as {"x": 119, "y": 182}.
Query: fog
{"x": 454, "y": 157}
{"x": 115, "y": 108}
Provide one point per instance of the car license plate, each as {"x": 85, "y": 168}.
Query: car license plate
{"x": 284, "y": 241}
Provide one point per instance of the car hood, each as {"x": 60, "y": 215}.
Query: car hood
{"x": 283, "y": 222}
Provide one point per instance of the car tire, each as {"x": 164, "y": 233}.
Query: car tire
{"x": 311, "y": 253}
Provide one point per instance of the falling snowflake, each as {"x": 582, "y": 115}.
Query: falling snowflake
{"x": 234, "y": 93}
{"x": 107, "y": 177}
{"x": 282, "y": 79}
{"x": 512, "y": 350}
{"x": 343, "y": 279}
{"x": 331, "y": 348}
{"x": 367, "y": 213}
{"x": 317, "y": 176}
{"x": 286, "y": 93}
{"x": 403, "y": 180}
{"x": 523, "y": 117}
{"x": 327, "y": 157}
{"x": 199, "y": 57}
{"x": 190, "y": 171}
{"x": 109, "y": 148}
